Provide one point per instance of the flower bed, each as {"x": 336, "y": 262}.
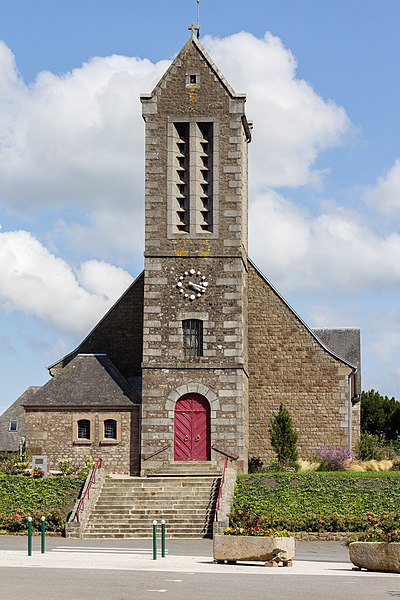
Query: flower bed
{"x": 18, "y": 522}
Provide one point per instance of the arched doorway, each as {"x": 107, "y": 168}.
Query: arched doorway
{"x": 192, "y": 428}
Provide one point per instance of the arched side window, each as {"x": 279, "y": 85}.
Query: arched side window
{"x": 192, "y": 337}
{"x": 110, "y": 429}
{"x": 83, "y": 429}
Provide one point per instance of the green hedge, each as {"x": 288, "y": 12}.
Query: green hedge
{"x": 317, "y": 501}
{"x": 21, "y": 496}
{"x": 28, "y": 494}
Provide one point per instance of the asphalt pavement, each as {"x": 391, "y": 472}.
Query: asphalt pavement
{"x": 94, "y": 569}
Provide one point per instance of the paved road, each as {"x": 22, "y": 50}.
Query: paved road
{"x": 124, "y": 570}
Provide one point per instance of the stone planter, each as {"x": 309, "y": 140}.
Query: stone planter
{"x": 270, "y": 550}
{"x": 376, "y": 556}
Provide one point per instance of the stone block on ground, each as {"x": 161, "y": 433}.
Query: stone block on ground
{"x": 376, "y": 556}
{"x": 270, "y": 550}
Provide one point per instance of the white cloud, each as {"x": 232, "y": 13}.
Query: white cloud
{"x": 102, "y": 279}
{"x": 385, "y": 195}
{"x": 77, "y": 139}
{"x": 386, "y": 331}
{"x": 335, "y": 250}
{"x": 292, "y": 123}
{"x": 37, "y": 283}
{"x": 114, "y": 234}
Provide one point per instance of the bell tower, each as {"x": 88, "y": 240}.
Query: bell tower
{"x": 195, "y": 379}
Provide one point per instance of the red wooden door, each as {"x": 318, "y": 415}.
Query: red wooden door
{"x": 192, "y": 428}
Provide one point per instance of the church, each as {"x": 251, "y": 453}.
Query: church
{"x": 192, "y": 363}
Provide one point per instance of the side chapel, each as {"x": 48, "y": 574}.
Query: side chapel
{"x": 192, "y": 362}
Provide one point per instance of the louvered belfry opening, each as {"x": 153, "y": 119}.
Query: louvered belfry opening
{"x": 192, "y": 173}
{"x": 181, "y": 173}
{"x": 204, "y": 181}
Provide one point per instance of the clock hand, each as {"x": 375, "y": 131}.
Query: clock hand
{"x": 196, "y": 288}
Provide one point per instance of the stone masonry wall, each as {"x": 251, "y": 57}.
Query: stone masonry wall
{"x": 221, "y": 387}
{"x": 119, "y": 334}
{"x": 174, "y": 101}
{"x": 220, "y": 254}
{"x": 287, "y": 365}
{"x": 51, "y": 433}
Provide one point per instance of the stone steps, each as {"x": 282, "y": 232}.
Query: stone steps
{"x": 192, "y": 469}
{"x": 165, "y": 513}
{"x": 135, "y": 524}
{"x": 173, "y": 481}
{"x": 138, "y": 535}
{"x": 159, "y": 507}
{"x": 167, "y": 492}
{"x": 121, "y": 518}
{"x": 126, "y": 508}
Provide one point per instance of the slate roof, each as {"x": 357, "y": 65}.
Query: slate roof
{"x": 9, "y": 440}
{"x": 344, "y": 341}
{"x": 89, "y": 380}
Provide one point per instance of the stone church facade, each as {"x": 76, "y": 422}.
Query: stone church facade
{"x": 192, "y": 362}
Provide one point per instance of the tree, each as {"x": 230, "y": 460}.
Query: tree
{"x": 380, "y": 415}
{"x": 283, "y": 437}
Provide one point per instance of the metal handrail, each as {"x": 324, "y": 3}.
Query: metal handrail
{"x": 224, "y": 452}
{"x": 157, "y": 452}
{"x": 221, "y": 487}
{"x": 92, "y": 480}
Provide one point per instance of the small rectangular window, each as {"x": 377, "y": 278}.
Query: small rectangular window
{"x": 192, "y": 79}
{"x": 192, "y": 337}
{"x": 110, "y": 429}
{"x": 84, "y": 429}
{"x": 13, "y": 425}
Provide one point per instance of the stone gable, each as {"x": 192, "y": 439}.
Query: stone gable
{"x": 288, "y": 365}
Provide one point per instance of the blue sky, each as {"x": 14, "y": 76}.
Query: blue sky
{"x": 322, "y": 85}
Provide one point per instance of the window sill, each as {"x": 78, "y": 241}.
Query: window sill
{"x": 82, "y": 442}
{"x": 109, "y": 442}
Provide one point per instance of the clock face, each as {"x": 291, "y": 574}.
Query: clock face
{"x": 192, "y": 284}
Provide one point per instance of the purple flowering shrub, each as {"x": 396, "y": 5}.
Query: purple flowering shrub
{"x": 332, "y": 459}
